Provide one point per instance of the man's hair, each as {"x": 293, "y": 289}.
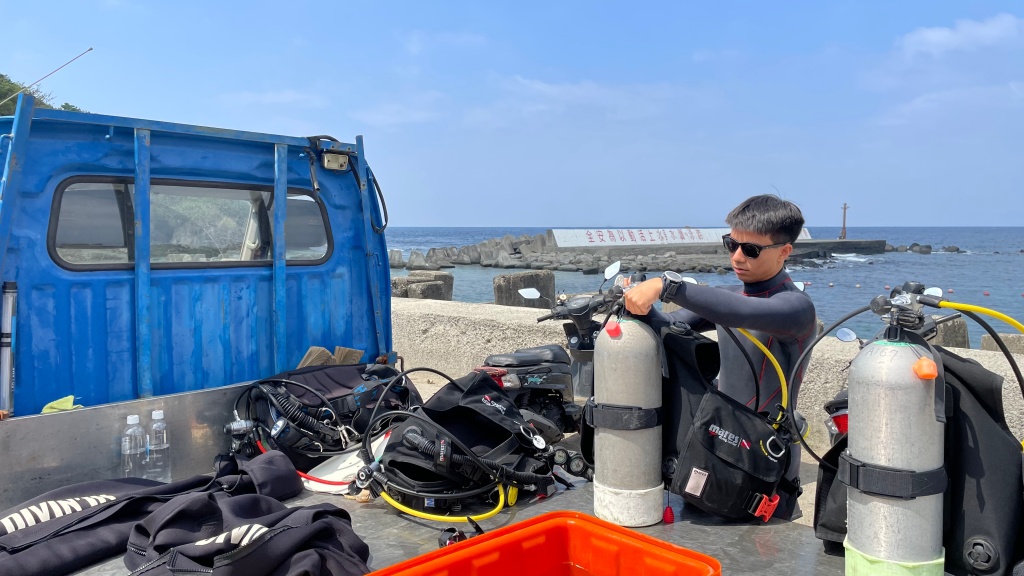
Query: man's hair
{"x": 769, "y": 215}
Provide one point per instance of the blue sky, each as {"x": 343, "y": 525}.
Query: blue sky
{"x": 659, "y": 114}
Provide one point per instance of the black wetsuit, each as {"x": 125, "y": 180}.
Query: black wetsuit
{"x": 774, "y": 311}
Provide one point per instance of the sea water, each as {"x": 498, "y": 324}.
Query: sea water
{"x": 992, "y": 261}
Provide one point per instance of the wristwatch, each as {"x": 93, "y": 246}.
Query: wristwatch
{"x": 670, "y": 282}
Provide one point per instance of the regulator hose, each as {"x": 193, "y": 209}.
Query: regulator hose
{"x": 800, "y": 362}
{"x": 413, "y": 438}
{"x": 969, "y": 311}
{"x": 782, "y": 380}
{"x": 493, "y": 469}
{"x": 437, "y": 517}
{"x": 292, "y": 410}
{"x": 750, "y": 363}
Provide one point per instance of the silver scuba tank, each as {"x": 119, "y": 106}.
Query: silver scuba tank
{"x": 894, "y": 432}
{"x": 628, "y": 484}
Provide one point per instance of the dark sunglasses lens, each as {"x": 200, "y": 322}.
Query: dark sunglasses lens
{"x": 749, "y": 250}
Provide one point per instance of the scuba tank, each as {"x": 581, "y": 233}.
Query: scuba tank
{"x": 894, "y": 463}
{"x": 895, "y": 504}
{"x": 624, "y": 411}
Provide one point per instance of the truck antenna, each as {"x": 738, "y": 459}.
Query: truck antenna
{"x": 45, "y": 77}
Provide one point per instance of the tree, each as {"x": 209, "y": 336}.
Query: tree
{"x": 43, "y": 99}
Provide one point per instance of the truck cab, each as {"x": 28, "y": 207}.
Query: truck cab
{"x": 141, "y": 259}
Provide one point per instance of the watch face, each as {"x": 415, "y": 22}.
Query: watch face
{"x": 673, "y": 276}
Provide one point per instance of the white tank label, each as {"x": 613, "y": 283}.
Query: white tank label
{"x": 695, "y": 485}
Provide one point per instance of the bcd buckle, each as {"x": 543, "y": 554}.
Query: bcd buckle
{"x": 764, "y": 506}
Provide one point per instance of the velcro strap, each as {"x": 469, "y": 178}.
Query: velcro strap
{"x": 615, "y": 417}
{"x": 893, "y": 482}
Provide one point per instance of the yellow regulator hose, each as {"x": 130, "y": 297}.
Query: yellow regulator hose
{"x": 778, "y": 369}
{"x": 440, "y": 518}
{"x": 973, "y": 308}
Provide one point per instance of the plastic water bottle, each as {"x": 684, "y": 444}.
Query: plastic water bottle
{"x": 159, "y": 465}
{"x": 133, "y": 448}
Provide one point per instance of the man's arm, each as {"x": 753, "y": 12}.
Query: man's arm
{"x": 786, "y": 312}
{"x": 658, "y": 320}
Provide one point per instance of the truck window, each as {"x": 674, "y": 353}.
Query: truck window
{"x": 90, "y": 225}
{"x": 191, "y": 225}
{"x": 194, "y": 224}
{"x": 304, "y": 231}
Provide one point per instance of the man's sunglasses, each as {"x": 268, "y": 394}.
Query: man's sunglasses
{"x": 750, "y": 250}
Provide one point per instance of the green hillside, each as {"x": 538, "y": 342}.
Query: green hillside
{"x": 43, "y": 100}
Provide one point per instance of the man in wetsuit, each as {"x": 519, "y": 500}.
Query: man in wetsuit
{"x": 768, "y": 305}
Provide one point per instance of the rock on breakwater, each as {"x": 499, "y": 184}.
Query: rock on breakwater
{"x": 541, "y": 252}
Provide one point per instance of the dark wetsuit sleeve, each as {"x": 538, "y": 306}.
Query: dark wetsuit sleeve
{"x": 786, "y": 312}
{"x": 658, "y": 320}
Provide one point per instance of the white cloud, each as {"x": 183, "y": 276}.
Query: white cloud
{"x": 418, "y": 41}
{"x": 275, "y": 98}
{"x": 413, "y": 109}
{"x": 964, "y": 35}
{"x": 956, "y": 104}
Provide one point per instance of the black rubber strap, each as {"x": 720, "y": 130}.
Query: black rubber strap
{"x": 896, "y": 483}
{"x": 615, "y": 417}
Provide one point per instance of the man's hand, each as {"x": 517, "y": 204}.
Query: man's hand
{"x": 641, "y": 297}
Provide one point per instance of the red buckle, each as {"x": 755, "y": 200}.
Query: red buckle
{"x": 767, "y": 507}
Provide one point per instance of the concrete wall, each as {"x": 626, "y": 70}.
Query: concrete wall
{"x": 455, "y": 337}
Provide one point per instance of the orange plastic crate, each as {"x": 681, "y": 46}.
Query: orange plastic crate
{"x": 559, "y": 544}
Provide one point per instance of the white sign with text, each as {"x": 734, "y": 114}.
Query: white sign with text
{"x": 575, "y": 238}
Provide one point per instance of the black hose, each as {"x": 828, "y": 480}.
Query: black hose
{"x": 753, "y": 369}
{"x": 383, "y": 205}
{"x": 796, "y": 367}
{"x": 400, "y": 377}
{"x": 999, "y": 342}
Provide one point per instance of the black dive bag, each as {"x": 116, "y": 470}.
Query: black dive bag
{"x": 719, "y": 455}
{"x": 425, "y": 467}
{"x": 289, "y": 413}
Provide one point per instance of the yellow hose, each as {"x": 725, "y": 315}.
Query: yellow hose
{"x": 438, "y": 517}
{"x": 973, "y": 308}
{"x": 778, "y": 369}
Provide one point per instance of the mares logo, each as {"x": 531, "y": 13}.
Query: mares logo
{"x": 487, "y": 400}
{"x": 728, "y": 437}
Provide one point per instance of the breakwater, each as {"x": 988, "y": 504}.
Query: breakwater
{"x": 548, "y": 252}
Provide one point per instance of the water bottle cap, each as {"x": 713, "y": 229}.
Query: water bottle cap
{"x": 133, "y": 419}
{"x": 158, "y": 414}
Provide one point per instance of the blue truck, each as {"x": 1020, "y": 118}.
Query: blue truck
{"x": 145, "y": 263}
{"x": 157, "y": 266}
